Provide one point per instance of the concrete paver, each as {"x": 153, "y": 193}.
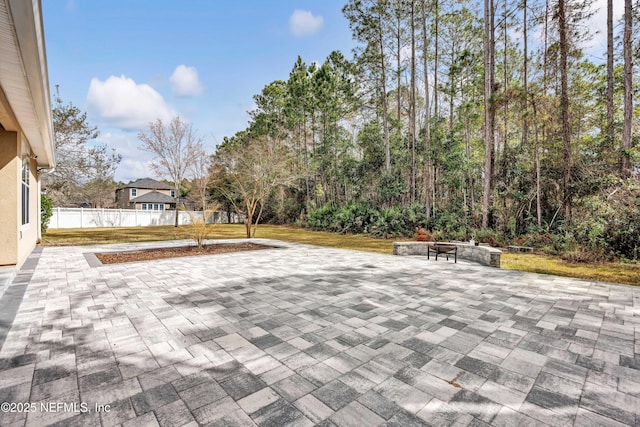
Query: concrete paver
{"x": 302, "y": 335}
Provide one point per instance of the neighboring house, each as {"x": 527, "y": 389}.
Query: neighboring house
{"x": 26, "y": 129}
{"x": 146, "y": 194}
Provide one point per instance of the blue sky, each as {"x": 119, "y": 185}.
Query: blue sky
{"x": 127, "y": 63}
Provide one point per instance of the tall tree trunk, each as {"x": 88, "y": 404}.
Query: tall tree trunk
{"x": 628, "y": 90}
{"x": 452, "y": 82}
{"x": 306, "y": 163}
{"x": 435, "y": 94}
{"x": 176, "y": 222}
{"x": 385, "y": 108}
{"x": 412, "y": 106}
{"x": 564, "y": 107}
{"x": 525, "y": 78}
{"x": 610, "y": 76}
{"x": 545, "y": 57}
{"x": 537, "y": 168}
{"x": 428, "y": 185}
{"x": 399, "y": 62}
{"x": 313, "y": 151}
{"x": 436, "y": 20}
{"x": 489, "y": 110}
{"x": 505, "y": 83}
{"x": 467, "y": 141}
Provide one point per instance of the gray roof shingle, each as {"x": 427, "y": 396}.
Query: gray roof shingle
{"x": 149, "y": 184}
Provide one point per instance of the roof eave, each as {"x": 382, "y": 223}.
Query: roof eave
{"x": 24, "y": 77}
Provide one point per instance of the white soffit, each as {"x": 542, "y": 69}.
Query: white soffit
{"x": 23, "y": 76}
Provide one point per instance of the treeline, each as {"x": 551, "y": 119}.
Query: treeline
{"x": 472, "y": 120}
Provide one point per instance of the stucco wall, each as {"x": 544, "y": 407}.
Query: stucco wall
{"x": 9, "y": 195}
{"x": 16, "y": 240}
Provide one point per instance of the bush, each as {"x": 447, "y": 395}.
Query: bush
{"x": 622, "y": 236}
{"x": 417, "y": 216}
{"x": 491, "y": 237}
{"x": 355, "y": 218}
{"x": 535, "y": 240}
{"x": 391, "y": 223}
{"x": 608, "y": 224}
{"x": 322, "y": 218}
{"x": 46, "y": 212}
{"x": 198, "y": 230}
{"x": 461, "y": 235}
{"x": 448, "y": 222}
{"x": 391, "y": 188}
{"x": 580, "y": 255}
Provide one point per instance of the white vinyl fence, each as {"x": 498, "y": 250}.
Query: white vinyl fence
{"x": 87, "y": 218}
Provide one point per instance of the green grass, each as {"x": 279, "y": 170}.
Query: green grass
{"x": 616, "y": 272}
{"x": 91, "y": 236}
{"x": 608, "y": 272}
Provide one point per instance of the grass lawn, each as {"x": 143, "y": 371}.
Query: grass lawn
{"x": 608, "y": 272}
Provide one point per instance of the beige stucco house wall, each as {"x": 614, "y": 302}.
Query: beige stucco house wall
{"x": 26, "y": 130}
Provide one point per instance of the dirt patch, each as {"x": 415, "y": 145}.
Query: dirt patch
{"x": 162, "y": 253}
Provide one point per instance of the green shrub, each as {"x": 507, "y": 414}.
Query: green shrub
{"x": 391, "y": 188}
{"x": 448, "y": 222}
{"x": 608, "y": 224}
{"x": 355, "y": 218}
{"x": 491, "y": 237}
{"x": 581, "y": 255}
{"x": 460, "y": 234}
{"x": 417, "y": 216}
{"x": 390, "y": 223}
{"x": 622, "y": 236}
{"x": 46, "y": 212}
{"x": 535, "y": 240}
{"x": 322, "y": 218}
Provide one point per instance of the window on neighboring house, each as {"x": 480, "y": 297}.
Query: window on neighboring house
{"x": 25, "y": 192}
{"x": 162, "y": 207}
{"x": 156, "y": 207}
{"x": 173, "y": 193}
{"x": 144, "y": 206}
{"x": 134, "y": 192}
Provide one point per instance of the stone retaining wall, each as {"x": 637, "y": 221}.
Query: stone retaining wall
{"x": 482, "y": 254}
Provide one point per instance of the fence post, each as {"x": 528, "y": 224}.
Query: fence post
{"x": 135, "y": 217}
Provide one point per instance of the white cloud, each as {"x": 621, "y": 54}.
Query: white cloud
{"x": 135, "y": 163}
{"x": 303, "y": 23}
{"x": 185, "y": 82}
{"x": 133, "y": 169}
{"x": 125, "y": 104}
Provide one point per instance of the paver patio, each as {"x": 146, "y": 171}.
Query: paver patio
{"x": 302, "y": 335}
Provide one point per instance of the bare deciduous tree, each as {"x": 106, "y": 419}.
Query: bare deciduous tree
{"x": 175, "y": 146}
{"x": 201, "y": 172}
{"x": 248, "y": 171}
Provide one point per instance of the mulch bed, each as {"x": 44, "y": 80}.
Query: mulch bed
{"x": 161, "y": 253}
